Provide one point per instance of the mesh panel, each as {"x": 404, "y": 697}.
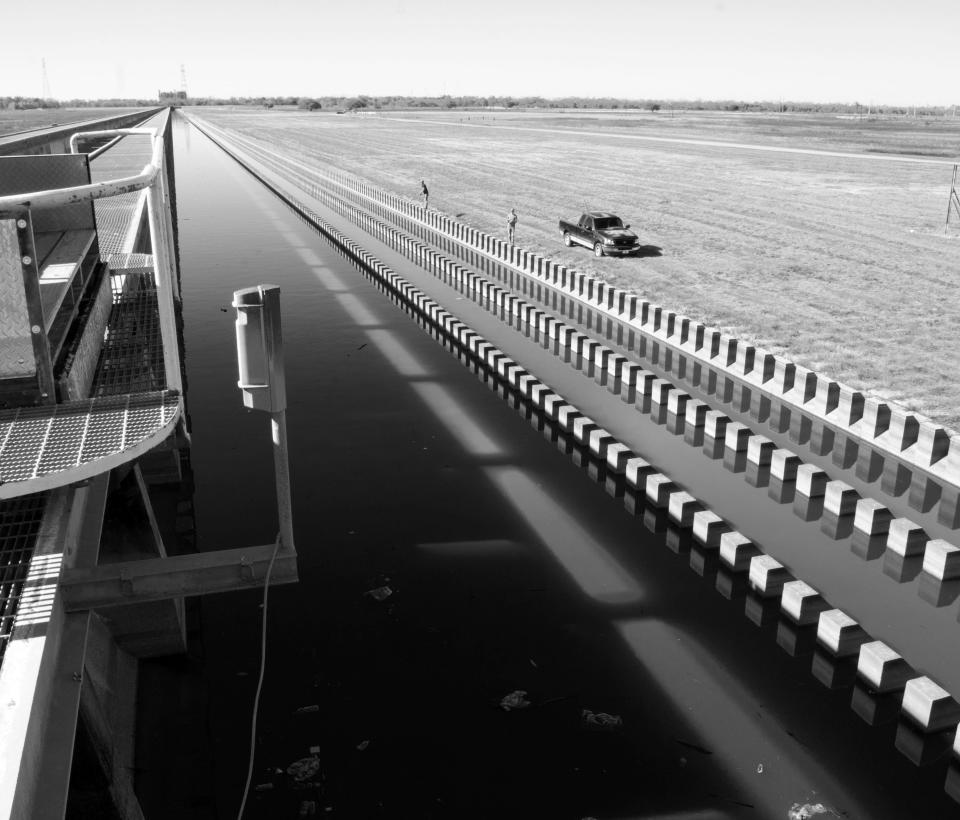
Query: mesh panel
{"x": 131, "y": 360}
{"x": 20, "y": 520}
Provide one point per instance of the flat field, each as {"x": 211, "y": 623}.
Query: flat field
{"x": 13, "y": 121}
{"x": 841, "y": 263}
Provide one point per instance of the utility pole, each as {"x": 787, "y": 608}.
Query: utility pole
{"x": 183, "y": 79}
{"x": 46, "y": 80}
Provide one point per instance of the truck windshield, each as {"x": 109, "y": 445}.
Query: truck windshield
{"x": 606, "y": 222}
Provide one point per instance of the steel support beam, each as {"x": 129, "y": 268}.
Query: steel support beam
{"x": 178, "y": 576}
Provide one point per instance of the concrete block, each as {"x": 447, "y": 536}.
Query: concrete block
{"x": 811, "y": 481}
{"x": 767, "y": 576}
{"x": 929, "y": 705}
{"x": 708, "y": 528}
{"x": 695, "y": 413}
{"x": 566, "y": 415}
{"x": 839, "y": 634}
{"x": 737, "y": 551}
{"x": 760, "y": 450}
{"x": 599, "y": 441}
{"x": 802, "y": 603}
{"x": 660, "y": 390}
{"x": 784, "y": 464}
{"x": 840, "y": 498}
{"x": 677, "y": 403}
{"x": 882, "y": 669}
{"x": 784, "y": 375}
{"x": 849, "y": 408}
{"x": 636, "y": 471}
{"x": 681, "y": 508}
{"x": 872, "y": 517}
{"x": 941, "y": 560}
{"x": 715, "y": 424}
{"x": 617, "y": 457}
{"x": 583, "y": 427}
{"x": 737, "y": 437}
{"x": 659, "y": 488}
{"x": 906, "y": 538}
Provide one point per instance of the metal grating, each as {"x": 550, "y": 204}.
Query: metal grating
{"x": 20, "y": 520}
{"x": 42, "y": 441}
{"x": 131, "y": 360}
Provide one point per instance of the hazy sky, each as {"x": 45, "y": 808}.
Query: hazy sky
{"x": 818, "y": 50}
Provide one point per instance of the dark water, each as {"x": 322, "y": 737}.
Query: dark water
{"x": 512, "y": 566}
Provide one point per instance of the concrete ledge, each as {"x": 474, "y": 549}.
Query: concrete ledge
{"x": 941, "y": 560}
{"x": 695, "y": 413}
{"x": 929, "y": 705}
{"x": 882, "y": 669}
{"x": 737, "y": 551}
{"x": 802, "y": 603}
{"x": 839, "y": 634}
{"x": 715, "y": 424}
{"x": 767, "y": 576}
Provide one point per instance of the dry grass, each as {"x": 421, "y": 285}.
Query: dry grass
{"x": 13, "y": 121}
{"x": 842, "y": 264}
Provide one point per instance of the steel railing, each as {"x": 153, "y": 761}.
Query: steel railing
{"x": 153, "y": 179}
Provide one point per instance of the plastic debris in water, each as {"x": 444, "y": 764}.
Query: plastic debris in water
{"x": 759, "y": 768}
{"x": 263, "y": 787}
{"x": 308, "y": 808}
{"x": 362, "y": 745}
{"x": 380, "y": 593}
{"x": 303, "y": 769}
{"x": 804, "y": 812}
{"x": 601, "y": 718}
{"x": 303, "y": 710}
{"x": 515, "y": 700}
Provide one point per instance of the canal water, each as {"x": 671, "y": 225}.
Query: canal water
{"x": 480, "y": 630}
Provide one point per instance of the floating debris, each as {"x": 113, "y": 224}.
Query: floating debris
{"x": 601, "y": 719}
{"x": 305, "y": 710}
{"x": 303, "y": 769}
{"x": 362, "y": 745}
{"x": 263, "y": 787}
{"x": 515, "y": 700}
{"x": 806, "y": 811}
{"x": 759, "y": 768}
{"x": 379, "y": 593}
{"x": 308, "y": 808}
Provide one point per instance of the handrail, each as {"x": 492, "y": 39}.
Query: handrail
{"x": 94, "y": 190}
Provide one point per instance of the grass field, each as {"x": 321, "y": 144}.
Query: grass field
{"x": 13, "y": 121}
{"x": 840, "y": 263}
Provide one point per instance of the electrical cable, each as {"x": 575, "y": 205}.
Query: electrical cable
{"x": 263, "y": 667}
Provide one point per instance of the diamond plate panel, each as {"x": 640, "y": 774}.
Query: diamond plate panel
{"x": 16, "y": 344}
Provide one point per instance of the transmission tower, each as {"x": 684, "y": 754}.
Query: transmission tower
{"x": 183, "y": 79}
{"x": 46, "y": 80}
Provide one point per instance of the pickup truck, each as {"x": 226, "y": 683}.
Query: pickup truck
{"x": 603, "y": 232}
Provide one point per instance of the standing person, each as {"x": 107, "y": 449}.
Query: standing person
{"x": 425, "y": 194}
{"x": 511, "y": 223}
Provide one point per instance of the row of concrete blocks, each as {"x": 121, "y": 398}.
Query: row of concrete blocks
{"x": 909, "y": 436}
{"x": 881, "y": 668}
{"x": 941, "y": 559}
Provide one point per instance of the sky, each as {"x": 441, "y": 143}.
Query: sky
{"x": 867, "y": 51}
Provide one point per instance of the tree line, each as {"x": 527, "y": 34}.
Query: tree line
{"x": 364, "y": 102}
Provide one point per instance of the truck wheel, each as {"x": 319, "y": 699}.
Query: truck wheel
{"x": 566, "y": 239}
{"x": 598, "y": 250}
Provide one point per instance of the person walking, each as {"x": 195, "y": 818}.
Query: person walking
{"x": 511, "y": 223}
{"x": 425, "y": 194}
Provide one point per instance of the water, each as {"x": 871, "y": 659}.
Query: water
{"x": 512, "y": 564}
